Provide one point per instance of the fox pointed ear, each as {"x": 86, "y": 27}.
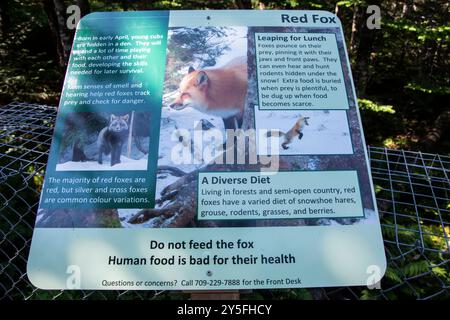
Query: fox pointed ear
{"x": 202, "y": 78}
{"x": 125, "y": 117}
{"x": 113, "y": 117}
{"x": 191, "y": 69}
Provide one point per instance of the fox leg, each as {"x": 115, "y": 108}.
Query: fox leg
{"x": 300, "y": 134}
{"x": 100, "y": 156}
{"x": 119, "y": 151}
{"x": 114, "y": 156}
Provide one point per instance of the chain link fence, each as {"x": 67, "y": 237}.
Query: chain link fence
{"x": 412, "y": 190}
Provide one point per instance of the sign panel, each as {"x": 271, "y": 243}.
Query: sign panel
{"x": 221, "y": 152}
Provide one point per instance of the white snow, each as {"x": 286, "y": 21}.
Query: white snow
{"x": 327, "y": 132}
{"x": 370, "y": 217}
{"x": 125, "y": 215}
{"x": 237, "y": 37}
{"x": 185, "y": 119}
{"x": 162, "y": 181}
{"x": 125, "y": 164}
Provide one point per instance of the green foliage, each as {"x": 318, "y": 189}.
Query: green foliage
{"x": 28, "y": 71}
{"x": 348, "y": 3}
{"x": 407, "y": 69}
{"x": 416, "y": 274}
{"x": 434, "y": 33}
{"x": 281, "y": 294}
{"x": 415, "y": 268}
{"x": 393, "y": 275}
{"x": 365, "y": 104}
{"x": 437, "y": 90}
{"x": 407, "y": 88}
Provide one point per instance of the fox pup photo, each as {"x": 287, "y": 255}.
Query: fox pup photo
{"x": 111, "y": 138}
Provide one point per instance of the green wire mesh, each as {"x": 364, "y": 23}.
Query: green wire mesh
{"x": 412, "y": 190}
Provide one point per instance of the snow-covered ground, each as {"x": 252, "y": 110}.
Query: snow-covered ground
{"x": 370, "y": 217}
{"x": 170, "y": 153}
{"x": 327, "y": 132}
{"x": 238, "y": 46}
{"x": 125, "y": 164}
{"x": 173, "y": 121}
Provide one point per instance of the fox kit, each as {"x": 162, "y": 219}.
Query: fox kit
{"x": 111, "y": 138}
{"x": 296, "y": 130}
{"x": 219, "y": 92}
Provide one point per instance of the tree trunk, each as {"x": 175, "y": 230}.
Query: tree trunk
{"x": 243, "y": 4}
{"x": 77, "y": 152}
{"x": 435, "y": 134}
{"x": 85, "y": 7}
{"x": 130, "y": 133}
{"x": 356, "y": 23}
{"x": 53, "y": 25}
{"x": 145, "y": 5}
{"x": 56, "y": 13}
{"x": 362, "y": 54}
{"x": 4, "y": 19}
{"x": 64, "y": 33}
{"x": 139, "y": 146}
{"x": 407, "y": 8}
{"x": 125, "y": 5}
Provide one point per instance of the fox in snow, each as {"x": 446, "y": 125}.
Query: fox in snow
{"x": 219, "y": 92}
{"x": 111, "y": 138}
{"x": 295, "y": 131}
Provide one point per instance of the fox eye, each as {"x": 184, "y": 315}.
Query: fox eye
{"x": 184, "y": 95}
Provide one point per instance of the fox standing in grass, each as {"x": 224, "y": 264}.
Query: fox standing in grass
{"x": 219, "y": 92}
{"x": 111, "y": 138}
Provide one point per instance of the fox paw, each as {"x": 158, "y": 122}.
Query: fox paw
{"x": 285, "y": 147}
{"x": 300, "y": 136}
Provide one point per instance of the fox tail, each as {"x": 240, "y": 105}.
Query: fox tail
{"x": 275, "y": 133}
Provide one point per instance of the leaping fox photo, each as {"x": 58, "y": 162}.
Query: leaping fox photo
{"x": 219, "y": 92}
{"x": 295, "y": 131}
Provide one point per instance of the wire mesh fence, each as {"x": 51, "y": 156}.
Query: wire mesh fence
{"x": 412, "y": 190}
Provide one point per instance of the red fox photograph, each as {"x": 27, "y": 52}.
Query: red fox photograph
{"x": 219, "y": 92}
{"x": 205, "y": 88}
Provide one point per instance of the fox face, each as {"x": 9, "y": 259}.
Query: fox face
{"x": 219, "y": 92}
{"x": 118, "y": 123}
{"x": 302, "y": 122}
{"x": 192, "y": 91}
